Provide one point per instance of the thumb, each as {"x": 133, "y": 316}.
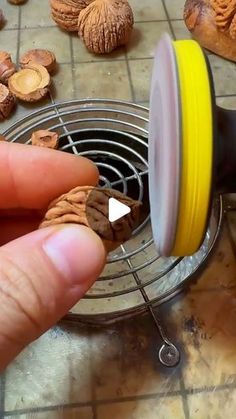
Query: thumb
{"x": 42, "y": 275}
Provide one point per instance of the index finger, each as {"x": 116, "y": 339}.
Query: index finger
{"x": 31, "y": 176}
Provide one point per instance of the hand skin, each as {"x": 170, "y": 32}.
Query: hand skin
{"x": 43, "y": 273}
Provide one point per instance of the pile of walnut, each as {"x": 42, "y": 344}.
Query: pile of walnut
{"x": 30, "y": 83}
{"x": 213, "y": 24}
{"x": 89, "y": 206}
{"x": 103, "y": 25}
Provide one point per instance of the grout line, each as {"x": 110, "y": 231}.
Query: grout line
{"x": 153, "y": 396}
{"x": 130, "y": 77}
{"x": 55, "y": 26}
{"x": 184, "y": 397}
{"x": 168, "y": 19}
{"x": 72, "y": 67}
{"x": 18, "y": 37}
{"x": 2, "y": 393}
{"x": 227, "y": 95}
{"x": 93, "y": 385}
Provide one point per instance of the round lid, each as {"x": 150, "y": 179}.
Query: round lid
{"x": 164, "y": 147}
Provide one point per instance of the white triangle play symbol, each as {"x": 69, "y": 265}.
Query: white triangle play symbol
{"x": 117, "y": 210}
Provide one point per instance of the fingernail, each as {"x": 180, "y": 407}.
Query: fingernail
{"x": 77, "y": 253}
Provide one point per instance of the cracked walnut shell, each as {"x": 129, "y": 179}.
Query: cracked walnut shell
{"x": 213, "y": 24}
{"x": 7, "y": 67}
{"x": 66, "y": 12}
{"x": 89, "y": 206}
{"x": 7, "y": 102}
{"x": 30, "y": 84}
{"x": 43, "y": 57}
{"x": 105, "y": 25}
{"x": 45, "y": 138}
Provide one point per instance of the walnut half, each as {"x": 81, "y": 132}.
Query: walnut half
{"x": 30, "y": 84}
{"x": 89, "y": 206}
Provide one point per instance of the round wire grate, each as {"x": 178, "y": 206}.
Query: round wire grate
{"x": 114, "y": 135}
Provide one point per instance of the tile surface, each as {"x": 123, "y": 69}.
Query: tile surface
{"x": 140, "y": 71}
{"x": 29, "y": 17}
{"x": 11, "y": 14}
{"x": 51, "y": 38}
{"x": 53, "y": 371}
{"x": 76, "y": 413}
{"x": 111, "y": 80}
{"x": 147, "y": 10}
{"x": 151, "y": 409}
{"x": 144, "y": 39}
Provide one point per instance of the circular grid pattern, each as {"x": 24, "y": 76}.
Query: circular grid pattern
{"x": 115, "y": 136}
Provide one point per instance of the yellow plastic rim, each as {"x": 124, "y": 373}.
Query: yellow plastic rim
{"x": 197, "y": 147}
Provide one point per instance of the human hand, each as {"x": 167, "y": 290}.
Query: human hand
{"x": 43, "y": 273}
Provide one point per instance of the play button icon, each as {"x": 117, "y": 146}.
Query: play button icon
{"x": 117, "y": 210}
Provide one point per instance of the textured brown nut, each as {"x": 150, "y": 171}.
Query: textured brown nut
{"x": 43, "y": 57}
{"x": 2, "y": 19}
{"x": 66, "y": 12}
{"x": 2, "y": 138}
{"x": 17, "y": 1}
{"x": 89, "y": 206}
{"x": 105, "y": 25}
{"x": 213, "y": 24}
{"x": 30, "y": 84}
{"x": 7, "y": 67}
{"x": 45, "y": 138}
{"x": 7, "y": 102}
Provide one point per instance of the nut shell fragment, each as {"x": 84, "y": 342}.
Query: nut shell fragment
{"x": 105, "y": 25}
{"x": 43, "y": 57}
{"x": 213, "y": 24}
{"x": 7, "y": 102}
{"x": 89, "y": 206}
{"x": 45, "y": 138}
{"x": 30, "y": 84}
{"x": 7, "y": 67}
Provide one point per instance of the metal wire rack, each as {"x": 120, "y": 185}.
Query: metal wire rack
{"x": 114, "y": 135}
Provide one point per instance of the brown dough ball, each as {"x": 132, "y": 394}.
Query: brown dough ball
{"x": 105, "y": 25}
{"x": 43, "y": 57}
{"x": 213, "y": 24}
{"x": 7, "y": 102}
{"x": 30, "y": 84}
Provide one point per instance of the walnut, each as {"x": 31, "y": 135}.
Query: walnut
{"x": 66, "y": 12}
{"x": 89, "y": 206}
{"x": 7, "y": 67}
{"x": 105, "y": 25}
{"x": 7, "y": 102}
{"x": 213, "y": 24}
{"x": 45, "y": 138}
{"x": 30, "y": 84}
{"x": 2, "y": 19}
{"x": 39, "y": 56}
{"x": 225, "y": 11}
{"x": 17, "y": 1}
